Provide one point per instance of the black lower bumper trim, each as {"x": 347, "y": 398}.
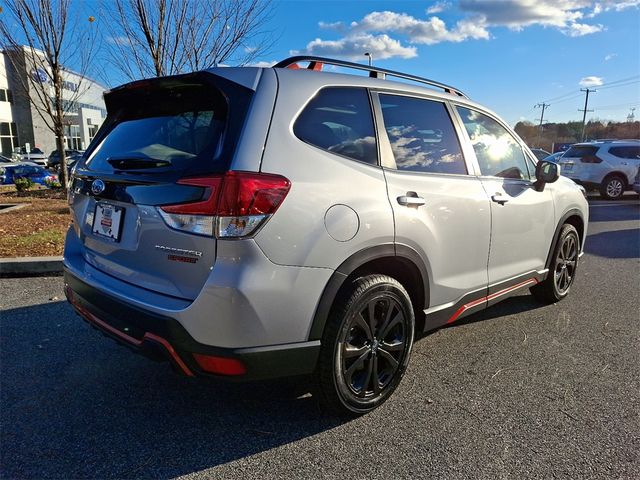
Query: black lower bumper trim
{"x": 156, "y": 336}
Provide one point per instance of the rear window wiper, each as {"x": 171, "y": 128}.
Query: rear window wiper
{"x": 136, "y": 163}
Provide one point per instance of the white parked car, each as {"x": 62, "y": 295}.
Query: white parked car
{"x": 34, "y": 155}
{"x": 607, "y": 165}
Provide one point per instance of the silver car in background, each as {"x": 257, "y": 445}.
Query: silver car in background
{"x": 259, "y": 222}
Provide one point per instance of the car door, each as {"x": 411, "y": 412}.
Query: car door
{"x": 626, "y": 159}
{"x": 523, "y": 219}
{"x": 440, "y": 207}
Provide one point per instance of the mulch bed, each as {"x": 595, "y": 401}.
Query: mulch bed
{"x": 37, "y": 229}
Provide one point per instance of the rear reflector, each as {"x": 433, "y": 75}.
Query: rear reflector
{"x": 220, "y": 365}
{"x": 234, "y": 205}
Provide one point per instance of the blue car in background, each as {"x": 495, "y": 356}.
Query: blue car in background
{"x": 9, "y": 173}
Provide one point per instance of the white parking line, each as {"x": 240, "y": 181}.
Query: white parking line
{"x": 611, "y": 204}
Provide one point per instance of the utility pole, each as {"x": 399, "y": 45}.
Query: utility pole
{"x": 585, "y": 110}
{"x": 543, "y": 106}
{"x": 631, "y": 117}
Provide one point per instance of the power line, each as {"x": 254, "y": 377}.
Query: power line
{"x": 619, "y": 85}
{"x": 614, "y": 107}
{"x": 623, "y": 82}
{"x": 633, "y": 77}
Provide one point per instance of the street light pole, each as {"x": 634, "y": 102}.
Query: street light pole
{"x": 367, "y": 54}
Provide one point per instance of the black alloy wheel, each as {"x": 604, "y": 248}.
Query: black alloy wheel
{"x": 565, "y": 264}
{"x": 562, "y": 270}
{"x": 367, "y": 344}
{"x": 372, "y": 346}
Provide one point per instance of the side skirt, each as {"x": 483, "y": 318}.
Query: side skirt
{"x": 475, "y": 301}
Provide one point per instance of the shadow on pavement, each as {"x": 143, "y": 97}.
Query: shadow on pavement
{"x": 614, "y": 212}
{"x": 614, "y": 244}
{"x": 74, "y": 404}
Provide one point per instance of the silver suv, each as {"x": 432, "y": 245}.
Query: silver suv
{"x": 608, "y": 165}
{"x": 262, "y": 222}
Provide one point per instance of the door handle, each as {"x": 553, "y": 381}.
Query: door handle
{"x": 411, "y": 199}
{"x": 498, "y": 198}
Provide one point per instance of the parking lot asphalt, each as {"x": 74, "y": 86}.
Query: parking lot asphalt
{"x": 519, "y": 390}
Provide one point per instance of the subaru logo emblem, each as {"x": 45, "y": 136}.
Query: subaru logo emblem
{"x": 97, "y": 187}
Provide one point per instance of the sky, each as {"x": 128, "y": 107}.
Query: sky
{"x": 508, "y": 55}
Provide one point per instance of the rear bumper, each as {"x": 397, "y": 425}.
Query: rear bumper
{"x": 164, "y": 338}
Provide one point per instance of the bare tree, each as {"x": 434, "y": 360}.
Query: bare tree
{"x": 39, "y": 38}
{"x": 165, "y": 37}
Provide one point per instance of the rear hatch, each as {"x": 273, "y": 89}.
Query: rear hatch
{"x": 158, "y": 134}
{"x": 577, "y": 158}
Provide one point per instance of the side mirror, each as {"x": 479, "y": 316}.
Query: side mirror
{"x": 546, "y": 172}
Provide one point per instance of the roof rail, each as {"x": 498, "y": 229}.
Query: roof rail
{"x": 315, "y": 63}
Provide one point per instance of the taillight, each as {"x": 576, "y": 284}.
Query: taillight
{"x": 590, "y": 159}
{"x": 235, "y": 205}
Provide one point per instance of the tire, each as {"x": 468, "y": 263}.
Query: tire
{"x": 562, "y": 271}
{"x": 358, "y": 368}
{"x": 613, "y": 187}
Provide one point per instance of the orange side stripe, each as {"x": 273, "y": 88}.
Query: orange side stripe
{"x": 475, "y": 303}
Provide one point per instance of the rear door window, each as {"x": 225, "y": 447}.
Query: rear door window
{"x": 422, "y": 135}
{"x": 580, "y": 151}
{"x": 339, "y": 120}
{"x": 626, "y": 152}
{"x": 498, "y": 152}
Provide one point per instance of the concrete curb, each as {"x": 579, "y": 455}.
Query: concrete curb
{"x": 28, "y": 266}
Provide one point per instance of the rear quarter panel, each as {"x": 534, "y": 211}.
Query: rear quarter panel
{"x": 296, "y": 235}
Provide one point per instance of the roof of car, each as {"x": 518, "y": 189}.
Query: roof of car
{"x": 21, "y": 164}
{"x": 595, "y": 143}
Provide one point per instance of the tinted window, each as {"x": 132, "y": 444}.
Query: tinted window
{"x": 497, "y": 151}
{"x": 625, "y": 152}
{"x": 177, "y": 127}
{"x": 579, "y": 151}
{"x": 339, "y": 120}
{"x": 422, "y": 135}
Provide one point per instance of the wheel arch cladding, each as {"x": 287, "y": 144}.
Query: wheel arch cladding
{"x": 398, "y": 261}
{"x": 622, "y": 176}
{"x": 572, "y": 217}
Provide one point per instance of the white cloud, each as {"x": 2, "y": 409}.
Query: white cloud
{"x": 331, "y": 25}
{"x": 581, "y": 29}
{"x": 591, "y": 81}
{"x": 618, "y": 5}
{"x": 565, "y": 15}
{"x": 121, "y": 41}
{"x": 263, "y": 64}
{"x": 437, "y": 7}
{"x": 610, "y": 56}
{"x": 430, "y": 31}
{"x": 355, "y": 45}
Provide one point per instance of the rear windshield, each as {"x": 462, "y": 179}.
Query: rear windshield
{"x": 163, "y": 128}
{"x": 578, "y": 151}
